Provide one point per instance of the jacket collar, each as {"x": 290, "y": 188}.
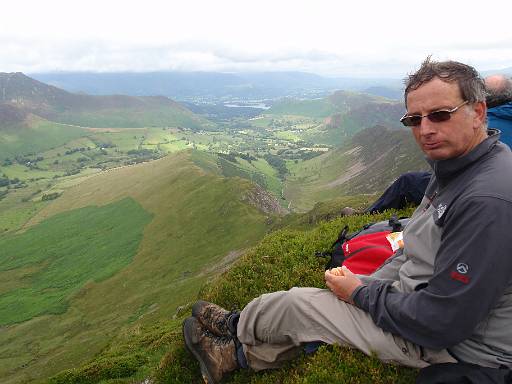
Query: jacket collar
{"x": 445, "y": 169}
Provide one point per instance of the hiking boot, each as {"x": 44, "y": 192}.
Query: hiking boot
{"x": 214, "y": 318}
{"x": 216, "y": 355}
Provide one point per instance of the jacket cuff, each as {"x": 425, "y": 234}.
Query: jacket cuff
{"x": 360, "y": 297}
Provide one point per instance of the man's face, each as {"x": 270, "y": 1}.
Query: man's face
{"x": 447, "y": 139}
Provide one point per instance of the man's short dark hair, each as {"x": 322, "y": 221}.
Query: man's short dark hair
{"x": 501, "y": 94}
{"x": 471, "y": 85}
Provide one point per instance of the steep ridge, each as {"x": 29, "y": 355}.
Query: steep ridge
{"x": 58, "y": 105}
{"x": 199, "y": 219}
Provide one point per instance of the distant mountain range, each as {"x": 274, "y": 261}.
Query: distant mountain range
{"x": 21, "y": 95}
{"x": 215, "y": 85}
{"x": 212, "y": 85}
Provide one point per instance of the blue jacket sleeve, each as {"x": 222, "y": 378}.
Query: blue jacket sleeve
{"x": 472, "y": 268}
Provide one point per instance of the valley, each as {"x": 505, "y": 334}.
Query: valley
{"x": 115, "y": 211}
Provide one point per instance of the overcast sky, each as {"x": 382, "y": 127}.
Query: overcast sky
{"x": 342, "y": 38}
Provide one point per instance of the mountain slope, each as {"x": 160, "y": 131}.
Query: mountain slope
{"x": 57, "y": 105}
{"x": 22, "y": 132}
{"x": 200, "y": 223}
{"x": 283, "y": 259}
{"x": 341, "y": 115}
{"x": 373, "y": 158}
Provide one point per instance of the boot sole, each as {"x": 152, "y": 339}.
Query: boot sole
{"x": 190, "y": 342}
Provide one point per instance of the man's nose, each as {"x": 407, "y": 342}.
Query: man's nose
{"x": 427, "y": 127}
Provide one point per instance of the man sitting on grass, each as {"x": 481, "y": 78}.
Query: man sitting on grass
{"x": 446, "y": 297}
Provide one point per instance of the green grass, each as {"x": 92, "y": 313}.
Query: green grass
{"x": 53, "y": 260}
{"x": 259, "y": 172}
{"x": 124, "y": 140}
{"x": 283, "y": 259}
{"x": 288, "y": 135}
{"x": 34, "y": 136}
{"x": 18, "y": 206}
{"x": 133, "y": 118}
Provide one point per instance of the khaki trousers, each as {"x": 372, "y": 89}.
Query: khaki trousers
{"x": 273, "y": 327}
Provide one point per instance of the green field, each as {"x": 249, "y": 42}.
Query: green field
{"x": 34, "y": 136}
{"x": 41, "y": 268}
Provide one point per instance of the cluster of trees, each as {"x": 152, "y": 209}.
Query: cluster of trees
{"x": 50, "y": 196}
{"x": 274, "y": 123}
{"x": 246, "y": 156}
{"x": 299, "y": 155}
{"x": 278, "y": 163}
{"x": 228, "y": 156}
{"x": 231, "y": 156}
{"x": 143, "y": 152}
{"x": 74, "y": 150}
{"x": 6, "y": 182}
{"x": 72, "y": 172}
{"x": 28, "y": 159}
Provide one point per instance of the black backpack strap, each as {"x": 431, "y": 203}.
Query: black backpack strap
{"x": 395, "y": 224}
{"x": 342, "y": 236}
{"x": 335, "y": 254}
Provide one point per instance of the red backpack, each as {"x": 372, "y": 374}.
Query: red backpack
{"x": 366, "y": 250}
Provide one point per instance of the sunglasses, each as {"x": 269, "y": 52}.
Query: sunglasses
{"x": 435, "y": 117}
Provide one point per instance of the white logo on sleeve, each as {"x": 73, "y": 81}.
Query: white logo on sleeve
{"x": 440, "y": 209}
{"x": 462, "y": 268}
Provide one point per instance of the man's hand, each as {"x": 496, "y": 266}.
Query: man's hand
{"x": 342, "y": 286}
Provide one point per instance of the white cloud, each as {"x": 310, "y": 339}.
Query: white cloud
{"x": 367, "y": 38}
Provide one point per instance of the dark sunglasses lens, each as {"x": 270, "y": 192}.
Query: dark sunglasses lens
{"x": 437, "y": 117}
{"x": 411, "y": 121}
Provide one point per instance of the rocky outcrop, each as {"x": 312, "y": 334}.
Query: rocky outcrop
{"x": 264, "y": 201}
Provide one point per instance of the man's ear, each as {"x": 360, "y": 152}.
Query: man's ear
{"x": 480, "y": 109}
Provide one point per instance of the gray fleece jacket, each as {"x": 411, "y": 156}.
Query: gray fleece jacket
{"x": 451, "y": 287}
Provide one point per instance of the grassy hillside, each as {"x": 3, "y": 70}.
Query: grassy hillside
{"x": 338, "y": 102}
{"x": 283, "y": 259}
{"x": 366, "y": 165}
{"x": 117, "y": 111}
{"x": 332, "y": 120}
{"x": 44, "y": 266}
{"x": 149, "y": 112}
{"x": 200, "y": 223}
{"x": 34, "y": 135}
